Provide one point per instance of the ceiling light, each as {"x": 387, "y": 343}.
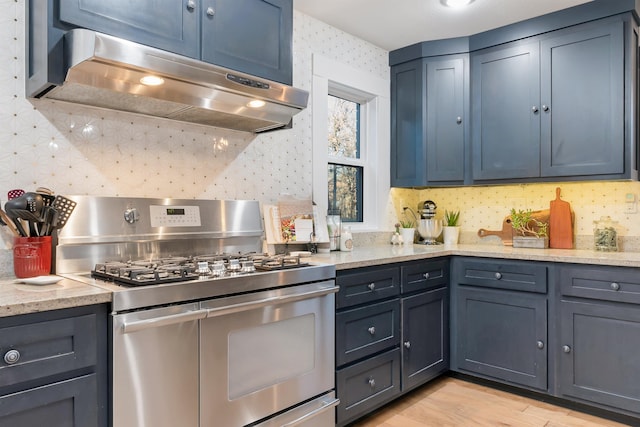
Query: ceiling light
{"x": 256, "y": 103}
{"x": 456, "y": 3}
{"x": 152, "y": 80}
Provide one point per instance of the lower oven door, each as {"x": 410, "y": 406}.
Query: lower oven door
{"x": 155, "y": 367}
{"x": 265, "y": 352}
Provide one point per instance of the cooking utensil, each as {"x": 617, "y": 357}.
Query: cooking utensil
{"x": 12, "y": 194}
{"x": 63, "y": 207}
{"x": 560, "y": 224}
{"x": 14, "y": 216}
{"x": 28, "y": 207}
{"x": 9, "y": 223}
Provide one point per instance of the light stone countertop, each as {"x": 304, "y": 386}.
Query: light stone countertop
{"x": 386, "y": 254}
{"x": 19, "y": 298}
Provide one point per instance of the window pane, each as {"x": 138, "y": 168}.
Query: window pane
{"x": 344, "y": 128}
{"x": 345, "y": 191}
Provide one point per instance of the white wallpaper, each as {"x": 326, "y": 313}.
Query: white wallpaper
{"x": 78, "y": 150}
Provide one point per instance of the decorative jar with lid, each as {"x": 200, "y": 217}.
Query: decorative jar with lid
{"x": 605, "y": 235}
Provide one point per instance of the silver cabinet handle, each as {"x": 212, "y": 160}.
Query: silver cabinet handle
{"x": 210, "y": 11}
{"x": 534, "y": 109}
{"x": 545, "y": 108}
{"x": 458, "y": 120}
{"x": 11, "y": 357}
{"x": 407, "y": 344}
{"x": 372, "y": 382}
{"x": 325, "y": 407}
{"x": 371, "y": 286}
{"x": 157, "y": 322}
{"x": 372, "y": 330}
{"x": 615, "y": 286}
{"x": 426, "y": 276}
{"x": 498, "y": 276}
{"x": 566, "y": 349}
{"x": 191, "y": 5}
{"x": 540, "y": 344}
{"x": 252, "y": 305}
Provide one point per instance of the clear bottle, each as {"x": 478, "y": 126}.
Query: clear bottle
{"x": 346, "y": 240}
{"x": 334, "y": 225}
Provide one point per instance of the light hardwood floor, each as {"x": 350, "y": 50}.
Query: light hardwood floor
{"x": 454, "y": 402}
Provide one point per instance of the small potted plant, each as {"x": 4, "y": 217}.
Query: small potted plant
{"x": 451, "y": 229}
{"x": 529, "y": 232}
{"x": 408, "y": 230}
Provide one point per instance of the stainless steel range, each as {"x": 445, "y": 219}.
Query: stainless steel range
{"x": 206, "y": 329}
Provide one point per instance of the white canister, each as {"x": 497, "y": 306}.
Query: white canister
{"x": 346, "y": 240}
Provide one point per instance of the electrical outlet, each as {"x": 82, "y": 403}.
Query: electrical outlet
{"x": 630, "y": 204}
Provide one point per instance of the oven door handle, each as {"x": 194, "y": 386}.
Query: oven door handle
{"x": 157, "y": 322}
{"x": 252, "y": 305}
{"x": 325, "y": 407}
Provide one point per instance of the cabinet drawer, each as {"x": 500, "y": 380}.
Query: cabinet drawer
{"x": 367, "y": 330}
{"x": 603, "y": 283}
{"x": 47, "y": 348}
{"x": 518, "y": 276}
{"x": 364, "y": 285}
{"x": 66, "y": 403}
{"x": 367, "y": 385}
{"x": 424, "y": 275}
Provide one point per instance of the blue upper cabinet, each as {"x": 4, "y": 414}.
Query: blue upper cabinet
{"x": 250, "y": 36}
{"x": 428, "y": 122}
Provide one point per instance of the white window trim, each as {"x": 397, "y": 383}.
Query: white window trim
{"x": 330, "y": 76}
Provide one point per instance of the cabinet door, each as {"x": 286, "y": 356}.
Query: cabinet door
{"x": 425, "y": 337}
{"x": 599, "y": 345}
{"x": 505, "y": 113}
{"x": 251, "y": 36}
{"x": 408, "y": 124}
{"x": 502, "y": 335}
{"x": 445, "y": 115}
{"x": 582, "y": 96}
{"x": 165, "y": 24}
{"x": 71, "y": 403}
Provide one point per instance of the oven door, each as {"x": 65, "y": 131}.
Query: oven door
{"x": 155, "y": 367}
{"x": 265, "y": 352}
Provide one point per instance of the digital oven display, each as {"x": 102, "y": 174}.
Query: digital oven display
{"x": 175, "y": 211}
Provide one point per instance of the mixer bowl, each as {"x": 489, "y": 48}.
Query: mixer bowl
{"x": 429, "y": 230}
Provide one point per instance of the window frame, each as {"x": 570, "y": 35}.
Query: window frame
{"x": 373, "y": 94}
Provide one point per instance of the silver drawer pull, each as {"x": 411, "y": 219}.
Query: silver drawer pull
{"x": 191, "y": 5}
{"x": 372, "y": 330}
{"x": 426, "y": 276}
{"x": 407, "y": 344}
{"x": 540, "y": 344}
{"x": 498, "y": 276}
{"x": 566, "y": 349}
{"x": 371, "y": 286}
{"x": 11, "y": 357}
{"x": 615, "y": 286}
{"x": 372, "y": 382}
{"x": 210, "y": 11}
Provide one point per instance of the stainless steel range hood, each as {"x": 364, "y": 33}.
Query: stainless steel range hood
{"x": 105, "y": 71}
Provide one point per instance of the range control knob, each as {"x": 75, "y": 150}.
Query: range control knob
{"x": 131, "y": 215}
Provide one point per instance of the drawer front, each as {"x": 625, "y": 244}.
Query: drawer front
{"x": 602, "y": 283}
{"x": 367, "y": 385}
{"x": 518, "y": 276}
{"x": 365, "y": 285}
{"x": 367, "y": 330}
{"x": 37, "y": 350}
{"x": 424, "y": 275}
{"x": 67, "y": 403}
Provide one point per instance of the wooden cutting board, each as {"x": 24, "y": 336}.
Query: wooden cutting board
{"x": 560, "y": 224}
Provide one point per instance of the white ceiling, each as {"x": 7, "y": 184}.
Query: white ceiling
{"x": 391, "y": 24}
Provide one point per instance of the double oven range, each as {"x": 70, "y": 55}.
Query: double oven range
{"x": 206, "y": 329}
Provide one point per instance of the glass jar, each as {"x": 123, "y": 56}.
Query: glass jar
{"x": 605, "y": 235}
{"x": 334, "y": 226}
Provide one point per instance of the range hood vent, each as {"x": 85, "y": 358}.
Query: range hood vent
{"x": 105, "y": 71}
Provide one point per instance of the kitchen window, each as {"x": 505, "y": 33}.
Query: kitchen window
{"x": 350, "y": 143}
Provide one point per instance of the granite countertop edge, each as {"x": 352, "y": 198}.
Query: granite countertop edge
{"x": 17, "y": 298}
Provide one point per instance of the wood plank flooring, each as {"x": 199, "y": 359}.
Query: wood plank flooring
{"x": 450, "y": 402}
